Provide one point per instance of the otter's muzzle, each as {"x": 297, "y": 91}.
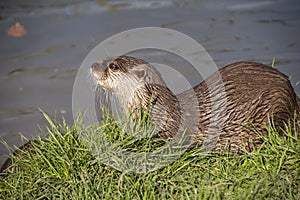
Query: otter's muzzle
{"x": 97, "y": 67}
{"x": 97, "y": 70}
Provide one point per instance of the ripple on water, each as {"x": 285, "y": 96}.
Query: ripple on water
{"x": 75, "y": 7}
{"x": 249, "y": 5}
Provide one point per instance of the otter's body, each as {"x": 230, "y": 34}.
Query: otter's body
{"x": 256, "y": 97}
{"x": 231, "y": 103}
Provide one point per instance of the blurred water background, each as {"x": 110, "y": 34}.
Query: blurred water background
{"x": 38, "y": 70}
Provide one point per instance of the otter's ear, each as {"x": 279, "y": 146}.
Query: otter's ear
{"x": 140, "y": 73}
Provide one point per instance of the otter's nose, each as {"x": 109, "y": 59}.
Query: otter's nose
{"x": 95, "y": 66}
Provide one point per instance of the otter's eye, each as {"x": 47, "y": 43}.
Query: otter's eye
{"x": 113, "y": 66}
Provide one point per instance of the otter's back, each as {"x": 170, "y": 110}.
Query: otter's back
{"x": 249, "y": 94}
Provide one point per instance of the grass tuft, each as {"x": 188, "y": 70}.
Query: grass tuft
{"x": 62, "y": 167}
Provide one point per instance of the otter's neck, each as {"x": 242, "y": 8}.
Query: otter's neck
{"x": 163, "y": 106}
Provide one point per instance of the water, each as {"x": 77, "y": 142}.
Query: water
{"x": 38, "y": 70}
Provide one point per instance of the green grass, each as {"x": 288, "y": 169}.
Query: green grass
{"x": 62, "y": 167}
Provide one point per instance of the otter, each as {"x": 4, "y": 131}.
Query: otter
{"x": 254, "y": 97}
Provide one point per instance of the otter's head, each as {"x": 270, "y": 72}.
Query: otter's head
{"x": 129, "y": 79}
{"x": 124, "y": 74}
{"x": 118, "y": 73}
